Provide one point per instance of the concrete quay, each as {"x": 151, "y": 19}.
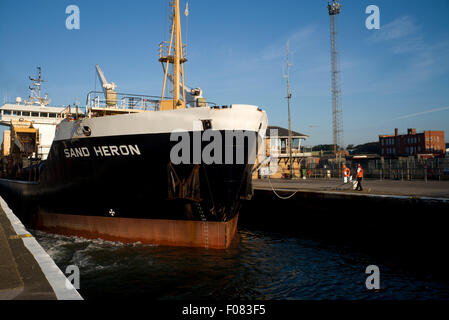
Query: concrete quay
{"x": 431, "y": 190}
{"x": 26, "y": 271}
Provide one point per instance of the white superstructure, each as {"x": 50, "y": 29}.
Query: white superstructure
{"x": 37, "y": 111}
{"x": 44, "y": 118}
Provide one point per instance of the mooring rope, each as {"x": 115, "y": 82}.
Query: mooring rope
{"x": 279, "y": 196}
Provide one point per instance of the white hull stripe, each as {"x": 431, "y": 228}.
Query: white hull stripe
{"x": 248, "y": 118}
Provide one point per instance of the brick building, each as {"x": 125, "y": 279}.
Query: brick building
{"x": 429, "y": 143}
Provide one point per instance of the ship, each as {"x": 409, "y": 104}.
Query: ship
{"x": 152, "y": 169}
{"x": 31, "y": 125}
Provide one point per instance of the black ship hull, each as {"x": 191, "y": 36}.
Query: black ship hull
{"x": 134, "y": 177}
{"x": 138, "y": 177}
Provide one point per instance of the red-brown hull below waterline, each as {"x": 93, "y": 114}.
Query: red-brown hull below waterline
{"x": 184, "y": 233}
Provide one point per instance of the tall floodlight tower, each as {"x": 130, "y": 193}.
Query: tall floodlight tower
{"x": 334, "y": 8}
{"x": 289, "y": 96}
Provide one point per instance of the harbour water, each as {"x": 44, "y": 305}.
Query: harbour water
{"x": 261, "y": 265}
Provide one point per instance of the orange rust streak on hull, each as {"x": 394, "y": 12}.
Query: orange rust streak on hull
{"x": 186, "y": 233}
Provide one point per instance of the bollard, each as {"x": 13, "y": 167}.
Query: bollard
{"x": 408, "y": 171}
{"x": 438, "y": 168}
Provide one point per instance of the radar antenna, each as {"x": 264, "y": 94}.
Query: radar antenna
{"x": 36, "y": 84}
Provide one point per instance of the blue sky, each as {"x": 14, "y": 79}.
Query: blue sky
{"x": 395, "y": 77}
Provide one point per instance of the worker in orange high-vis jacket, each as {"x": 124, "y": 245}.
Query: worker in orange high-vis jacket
{"x": 359, "y": 177}
{"x": 346, "y": 173}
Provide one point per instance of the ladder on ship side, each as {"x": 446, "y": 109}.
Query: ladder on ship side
{"x": 205, "y": 225}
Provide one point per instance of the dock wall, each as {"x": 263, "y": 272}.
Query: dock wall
{"x": 409, "y": 231}
{"x": 27, "y": 255}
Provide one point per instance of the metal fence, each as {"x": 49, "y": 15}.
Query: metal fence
{"x": 390, "y": 169}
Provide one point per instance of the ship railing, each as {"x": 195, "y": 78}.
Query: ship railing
{"x": 96, "y": 99}
{"x": 64, "y": 113}
{"x": 164, "y": 49}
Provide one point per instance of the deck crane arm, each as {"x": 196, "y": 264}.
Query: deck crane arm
{"x": 108, "y": 88}
{"x": 192, "y": 95}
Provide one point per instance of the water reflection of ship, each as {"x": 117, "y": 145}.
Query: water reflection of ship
{"x": 109, "y": 172}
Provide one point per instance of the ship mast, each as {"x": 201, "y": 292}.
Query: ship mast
{"x": 36, "y": 82}
{"x": 172, "y": 53}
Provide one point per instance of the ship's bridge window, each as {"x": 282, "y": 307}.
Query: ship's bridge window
{"x": 44, "y": 114}
{"x": 35, "y": 114}
{"x": 7, "y": 112}
{"x": 17, "y": 112}
{"x": 26, "y": 113}
{"x": 52, "y": 115}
